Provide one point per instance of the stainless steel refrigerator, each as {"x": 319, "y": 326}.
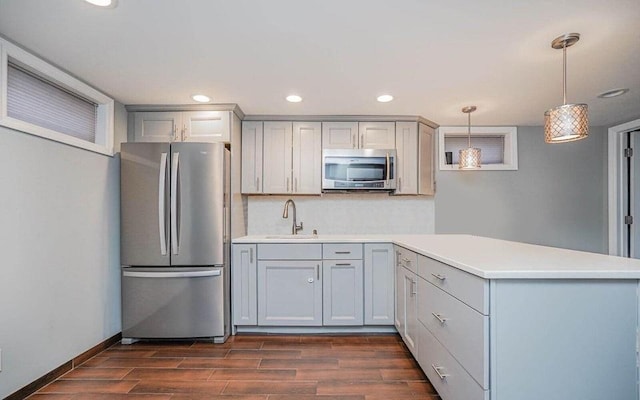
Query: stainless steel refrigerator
{"x": 175, "y": 230}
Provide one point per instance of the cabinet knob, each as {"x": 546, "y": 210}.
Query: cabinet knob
{"x": 310, "y": 280}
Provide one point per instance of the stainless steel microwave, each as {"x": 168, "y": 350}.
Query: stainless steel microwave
{"x": 358, "y": 169}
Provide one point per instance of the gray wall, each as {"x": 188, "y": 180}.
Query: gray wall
{"x": 59, "y": 274}
{"x": 557, "y": 197}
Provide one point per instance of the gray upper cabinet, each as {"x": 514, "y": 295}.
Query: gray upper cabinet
{"x": 206, "y": 126}
{"x": 162, "y": 127}
{"x": 291, "y": 157}
{"x": 415, "y": 148}
{"x": 377, "y": 135}
{"x": 307, "y": 157}
{"x": 339, "y": 135}
{"x": 186, "y": 126}
{"x": 358, "y": 135}
{"x": 252, "y": 157}
{"x": 277, "y": 157}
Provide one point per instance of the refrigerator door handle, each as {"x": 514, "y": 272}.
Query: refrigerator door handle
{"x": 162, "y": 178}
{"x": 187, "y": 274}
{"x": 175, "y": 159}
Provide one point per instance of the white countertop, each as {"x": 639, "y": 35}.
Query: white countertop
{"x": 489, "y": 258}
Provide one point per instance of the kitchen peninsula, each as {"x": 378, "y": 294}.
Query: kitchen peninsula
{"x": 484, "y": 318}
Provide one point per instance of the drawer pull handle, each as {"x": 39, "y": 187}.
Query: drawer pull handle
{"x": 343, "y": 264}
{"x": 440, "y": 374}
{"x": 343, "y": 252}
{"x": 439, "y": 277}
{"x": 407, "y": 260}
{"x": 439, "y": 318}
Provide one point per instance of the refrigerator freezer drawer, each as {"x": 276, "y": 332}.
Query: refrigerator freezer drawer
{"x": 173, "y": 302}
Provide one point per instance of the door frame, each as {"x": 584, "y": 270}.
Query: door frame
{"x": 615, "y": 184}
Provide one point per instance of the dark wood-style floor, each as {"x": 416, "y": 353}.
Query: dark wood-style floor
{"x": 249, "y": 367}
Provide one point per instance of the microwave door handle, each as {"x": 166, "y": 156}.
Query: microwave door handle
{"x": 388, "y": 167}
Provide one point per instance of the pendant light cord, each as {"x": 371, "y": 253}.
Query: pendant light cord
{"x": 469, "y": 129}
{"x": 564, "y": 73}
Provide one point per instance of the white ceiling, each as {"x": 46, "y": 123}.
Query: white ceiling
{"x": 434, "y": 56}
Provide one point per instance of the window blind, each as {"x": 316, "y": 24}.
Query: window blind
{"x": 34, "y": 100}
{"x": 492, "y": 147}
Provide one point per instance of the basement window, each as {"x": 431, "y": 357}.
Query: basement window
{"x": 498, "y": 145}
{"x": 42, "y": 100}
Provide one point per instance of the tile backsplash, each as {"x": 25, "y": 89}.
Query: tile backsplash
{"x": 343, "y": 213}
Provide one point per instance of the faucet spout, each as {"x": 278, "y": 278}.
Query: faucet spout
{"x": 285, "y": 214}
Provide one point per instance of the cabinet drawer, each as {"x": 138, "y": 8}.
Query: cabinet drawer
{"x": 278, "y": 251}
{"x": 342, "y": 251}
{"x": 461, "y": 329}
{"x": 406, "y": 258}
{"x": 470, "y": 289}
{"x": 445, "y": 374}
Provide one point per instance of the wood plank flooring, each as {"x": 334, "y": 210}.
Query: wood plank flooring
{"x": 249, "y": 367}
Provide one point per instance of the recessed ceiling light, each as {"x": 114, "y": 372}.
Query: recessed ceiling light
{"x": 102, "y": 3}
{"x": 385, "y": 98}
{"x": 613, "y": 93}
{"x": 294, "y": 98}
{"x": 200, "y": 98}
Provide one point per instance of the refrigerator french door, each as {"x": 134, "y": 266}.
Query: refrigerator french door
{"x": 174, "y": 240}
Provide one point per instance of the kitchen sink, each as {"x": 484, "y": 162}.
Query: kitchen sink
{"x": 291, "y": 237}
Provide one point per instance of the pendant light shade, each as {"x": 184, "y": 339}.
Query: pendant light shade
{"x": 469, "y": 158}
{"x": 567, "y": 122}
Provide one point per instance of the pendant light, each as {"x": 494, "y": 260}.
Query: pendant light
{"x": 567, "y": 122}
{"x": 469, "y": 157}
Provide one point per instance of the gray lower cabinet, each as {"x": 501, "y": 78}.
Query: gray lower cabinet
{"x": 379, "y": 281}
{"x": 406, "y": 298}
{"x": 244, "y": 287}
{"x": 342, "y": 292}
{"x": 313, "y": 284}
{"x": 289, "y": 293}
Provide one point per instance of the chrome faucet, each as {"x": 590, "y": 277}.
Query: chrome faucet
{"x": 294, "y": 228}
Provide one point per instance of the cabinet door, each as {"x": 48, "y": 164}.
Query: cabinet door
{"x": 252, "y": 157}
{"x": 379, "y": 282}
{"x": 426, "y": 157}
{"x": 342, "y": 292}
{"x": 411, "y": 310}
{"x": 162, "y": 127}
{"x": 307, "y": 157}
{"x": 377, "y": 135}
{"x": 206, "y": 126}
{"x": 244, "y": 278}
{"x": 277, "y": 157}
{"x": 339, "y": 135}
{"x": 289, "y": 293}
{"x": 400, "y": 299}
{"x": 407, "y": 164}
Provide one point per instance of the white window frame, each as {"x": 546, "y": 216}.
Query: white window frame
{"x": 510, "y": 134}
{"x": 105, "y": 105}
